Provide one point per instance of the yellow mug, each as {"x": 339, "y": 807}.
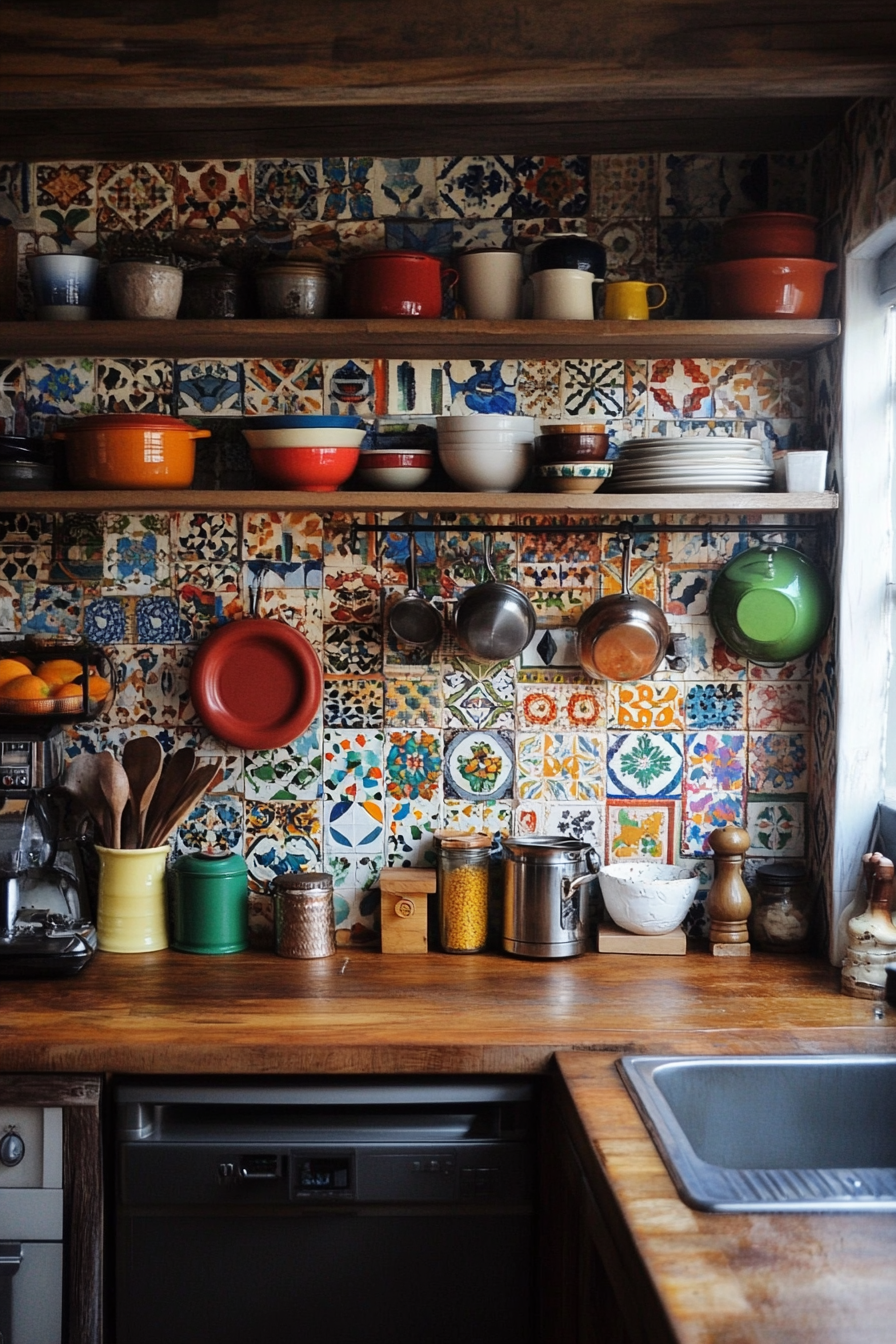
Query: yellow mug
{"x": 627, "y": 300}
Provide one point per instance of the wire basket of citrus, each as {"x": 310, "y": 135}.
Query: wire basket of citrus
{"x": 67, "y": 682}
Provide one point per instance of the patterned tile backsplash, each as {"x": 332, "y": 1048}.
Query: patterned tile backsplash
{"x": 399, "y": 748}
{"x": 658, "y": 215}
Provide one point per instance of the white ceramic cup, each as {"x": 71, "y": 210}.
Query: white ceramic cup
{"x": 805, "y": 470}
{"x": 564, "y": 294}
{"x": 491, "y": 284}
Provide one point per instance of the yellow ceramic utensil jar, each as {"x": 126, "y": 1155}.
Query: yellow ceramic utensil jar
{"x": 130, "y": 913}
{"x": 626, "y": 300}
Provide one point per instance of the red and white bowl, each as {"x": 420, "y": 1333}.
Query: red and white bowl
{"x": 393, "y": 469}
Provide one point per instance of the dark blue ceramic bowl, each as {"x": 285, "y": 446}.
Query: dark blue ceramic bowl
{"x": 570, "y": 252}
{"x": 305, "y": 422}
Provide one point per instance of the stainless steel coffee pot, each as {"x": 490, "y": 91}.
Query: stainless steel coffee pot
{"x": 546, "y": 879}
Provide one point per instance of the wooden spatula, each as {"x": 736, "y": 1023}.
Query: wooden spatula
{"x": 176, "y": 770}
{"x": 142, "y": 758}
{"x": 203, "y": 778}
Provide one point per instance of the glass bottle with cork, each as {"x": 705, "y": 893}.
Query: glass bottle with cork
{"x": 463, "y": 882}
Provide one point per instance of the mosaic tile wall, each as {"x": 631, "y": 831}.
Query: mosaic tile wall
{"x": 405, "y": 743}
{"x": 658, "y": 215}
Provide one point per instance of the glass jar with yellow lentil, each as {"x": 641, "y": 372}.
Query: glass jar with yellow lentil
{"x": 463, "y": 874}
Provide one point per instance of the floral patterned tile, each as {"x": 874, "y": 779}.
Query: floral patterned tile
{"x": 477, "y": 695}
{"x": 560, "y": 766}
{"x": 415, "y": 386}
{"x": 549, "y": 185}
{"x": 776, "y": 705}
{"x": 353, "y": 702}
{"x": 778, "y": 763}
{"x": 630, "y": 245}
{"x": 24, "y": 566}
{"x": 282, "y": 838}
{"x": 636, "y": 379}
{"x": 561, "y": 708}
{"x": 491, "y": 818}
{"x": 474, "y": 187}
{"x": 136, "y": 552}
{"x": 134, "y": 386}
{"x": 644, "y": 765}
{"x": 354, "y": 826}
{"x": 410, "y": 838}
{"x": 592, "y": 387}
{"x": 208, "y": 387}
{"x": 65, "y": 199}
{"x": 646, "y": 704}
{"x": 478, "y": 387}
{"x": 712, "y": 184}
{"x": 207, "y": 603}
{"x": 554, "y": 606}
{"x": 346, "y": 187}
{"x": 287, "y": 190}
{"x": 404, "y": 187}
{"x": 354, "y": 387}
{"x": 705, "y": 811}
{"x": 286, "y": 774}
{"x": 135, "y": 196}
{"x": 30, "y": 529}
{"x": 715, "y": 706}
{"x": 478, "y": 766}
{"x": 356, "y": 897}
{"x": 55, "y": 387}
{"x": 353, "y": 764}
{"x": 777, "y": 828}
{"x": 345, "y": 549}
{"x": 215, "y": 824}
{"x": 638, "y": 831}
{"x": 623, "y": 185}
{"x": 716, "y": 761}
{"x": 644, "y": 579}
{"x": 707, "y": 546}
{"x": 283, "y": 386}
{"x": 538, "y": 388}
{"x": 574, "y": 821}
{"x": 414, "y": 764}
{"x": 214, "y": 194}
{"x": 413, "y": 701}
{"x": 798, "y": 669}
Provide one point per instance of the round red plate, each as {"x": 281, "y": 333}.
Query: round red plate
{"x": 256, "y": 683}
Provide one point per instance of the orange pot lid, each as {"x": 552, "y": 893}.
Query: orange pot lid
{"x": 93, "y": 422}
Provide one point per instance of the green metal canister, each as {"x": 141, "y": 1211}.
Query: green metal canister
{"x": 210, "y": 903}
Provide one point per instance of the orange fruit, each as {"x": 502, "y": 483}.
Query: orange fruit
{"x": 97, "y": 687}
{"x": 59, "y": 671}
{"x": 28, "y": 687}
{"x": 67, "y": 692}
{"x": 11, "y": 668}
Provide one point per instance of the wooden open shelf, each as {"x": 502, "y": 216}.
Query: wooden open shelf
{"x": 383, "y": 501}
{"x": 413, "y": 338}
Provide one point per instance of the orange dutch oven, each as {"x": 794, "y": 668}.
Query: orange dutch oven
{"x": 131, "y": 452}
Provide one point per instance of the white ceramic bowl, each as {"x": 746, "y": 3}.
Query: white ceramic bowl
{"x": 575, "y": 478}
{"x": 471, "y": 424}
{"x": 647, "y": 898}
{"x": 392, "y": 478}
{"x": 498, "y": 469}
{"x": 304, "y": 438}
{"x": 485, "y": 438}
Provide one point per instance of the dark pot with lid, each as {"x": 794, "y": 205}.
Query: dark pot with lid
{"x": 622, "y": 637}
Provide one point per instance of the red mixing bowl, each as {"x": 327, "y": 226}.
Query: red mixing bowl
{"x": 318, "y": 470}
{"x": 769, "y": 233}
{"x": 756, "y": 287}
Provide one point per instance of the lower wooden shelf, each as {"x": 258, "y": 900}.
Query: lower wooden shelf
{"x": 383, "y": 501}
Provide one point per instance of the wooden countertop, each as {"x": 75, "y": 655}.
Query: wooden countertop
{"x": 360, "y": 1011}
{"x": 706, "y": 1278}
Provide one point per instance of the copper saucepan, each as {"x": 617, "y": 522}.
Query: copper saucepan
{"x": 622, "y": 637}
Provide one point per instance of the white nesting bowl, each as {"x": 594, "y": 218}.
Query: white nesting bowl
{"x": 391, "y": 478}
{"x": 498, "y": 469}
{"x": 472, "y": 424}
{"x": 647, "y": 898}
{"x": 497, "y": 438}
{"x": 304, "y": 438}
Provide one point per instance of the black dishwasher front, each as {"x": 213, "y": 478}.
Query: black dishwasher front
{"x": 329, "y": 1210}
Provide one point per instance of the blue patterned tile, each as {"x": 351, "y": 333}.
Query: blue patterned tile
{"x": 478, "y": 186}
{"x": 353, "y": 702}
{"x": 51, "y": 610}
{"x": 715, "y": 706}
{"x": 477, "y": 386}
{"x": 106, "y": 620}
{"x": 592, "y": 387}
{"x": 287, "y": 190}
{"x": 159, "y": 621}
{"x": 549, "y": 185}
{"x": 346, "y": 187}
{"x": 134, "y": 386}
{"x": 644, "y": 765}
{"x": 208, "y": 387}
{"x": 404, "y": 187}
{"x": 434, "y": 236}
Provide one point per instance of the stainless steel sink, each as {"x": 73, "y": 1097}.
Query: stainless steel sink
{"x": 772, "y": 1133}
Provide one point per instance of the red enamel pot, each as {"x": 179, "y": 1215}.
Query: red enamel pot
{"x": 395, "y": 284}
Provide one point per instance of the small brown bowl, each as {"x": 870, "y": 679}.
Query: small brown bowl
{"x": 572, "y": 447}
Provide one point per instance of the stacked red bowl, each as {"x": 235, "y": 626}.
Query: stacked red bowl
{"x": 769, "y": 268}
{"x": 317, "y": 453}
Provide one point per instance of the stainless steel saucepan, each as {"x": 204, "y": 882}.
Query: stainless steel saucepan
{"x": 622, "y": 637}
{"x": 495, "y": 620}
{"x": 414, "y": 620}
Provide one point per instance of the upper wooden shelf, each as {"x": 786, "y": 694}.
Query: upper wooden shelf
{"x": 412, "y": 338}
{"x": 601, "y": 505}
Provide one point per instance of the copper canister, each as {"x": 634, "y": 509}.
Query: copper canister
{"x": 304, "y": 921}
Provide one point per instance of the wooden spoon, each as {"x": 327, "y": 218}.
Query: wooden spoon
{"x": 114, "y": 783}
{"x": 176, "y": 770}
{"x": 142, "y": 758}
{"x": 203, "y": 778}
{"x": 81, "y": 781}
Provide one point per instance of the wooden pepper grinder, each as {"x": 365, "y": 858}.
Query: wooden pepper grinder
{"x": 728, "y": 903}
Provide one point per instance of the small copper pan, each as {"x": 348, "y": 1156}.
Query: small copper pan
{"x": 622, "y": 637}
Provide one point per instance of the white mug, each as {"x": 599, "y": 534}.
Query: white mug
{"x": 564, "y": 294}
{"x": 491, "y": 284}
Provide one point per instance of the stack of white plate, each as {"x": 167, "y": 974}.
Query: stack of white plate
{"x": 699, "y": 464}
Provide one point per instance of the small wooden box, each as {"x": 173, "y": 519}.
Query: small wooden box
{"x": 610, "y": 938}
{"x": 404, "y": 894}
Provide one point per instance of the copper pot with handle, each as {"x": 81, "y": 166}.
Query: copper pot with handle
{"x": 622, "y": 637}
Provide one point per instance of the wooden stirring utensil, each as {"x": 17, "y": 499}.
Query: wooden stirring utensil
{"x": 201, "y": 780}
{"x": 114, "y": 784}
{"x": 142, "y": 758}
{"x": 81, "y": 782}
{"x": 176, "y": 770}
